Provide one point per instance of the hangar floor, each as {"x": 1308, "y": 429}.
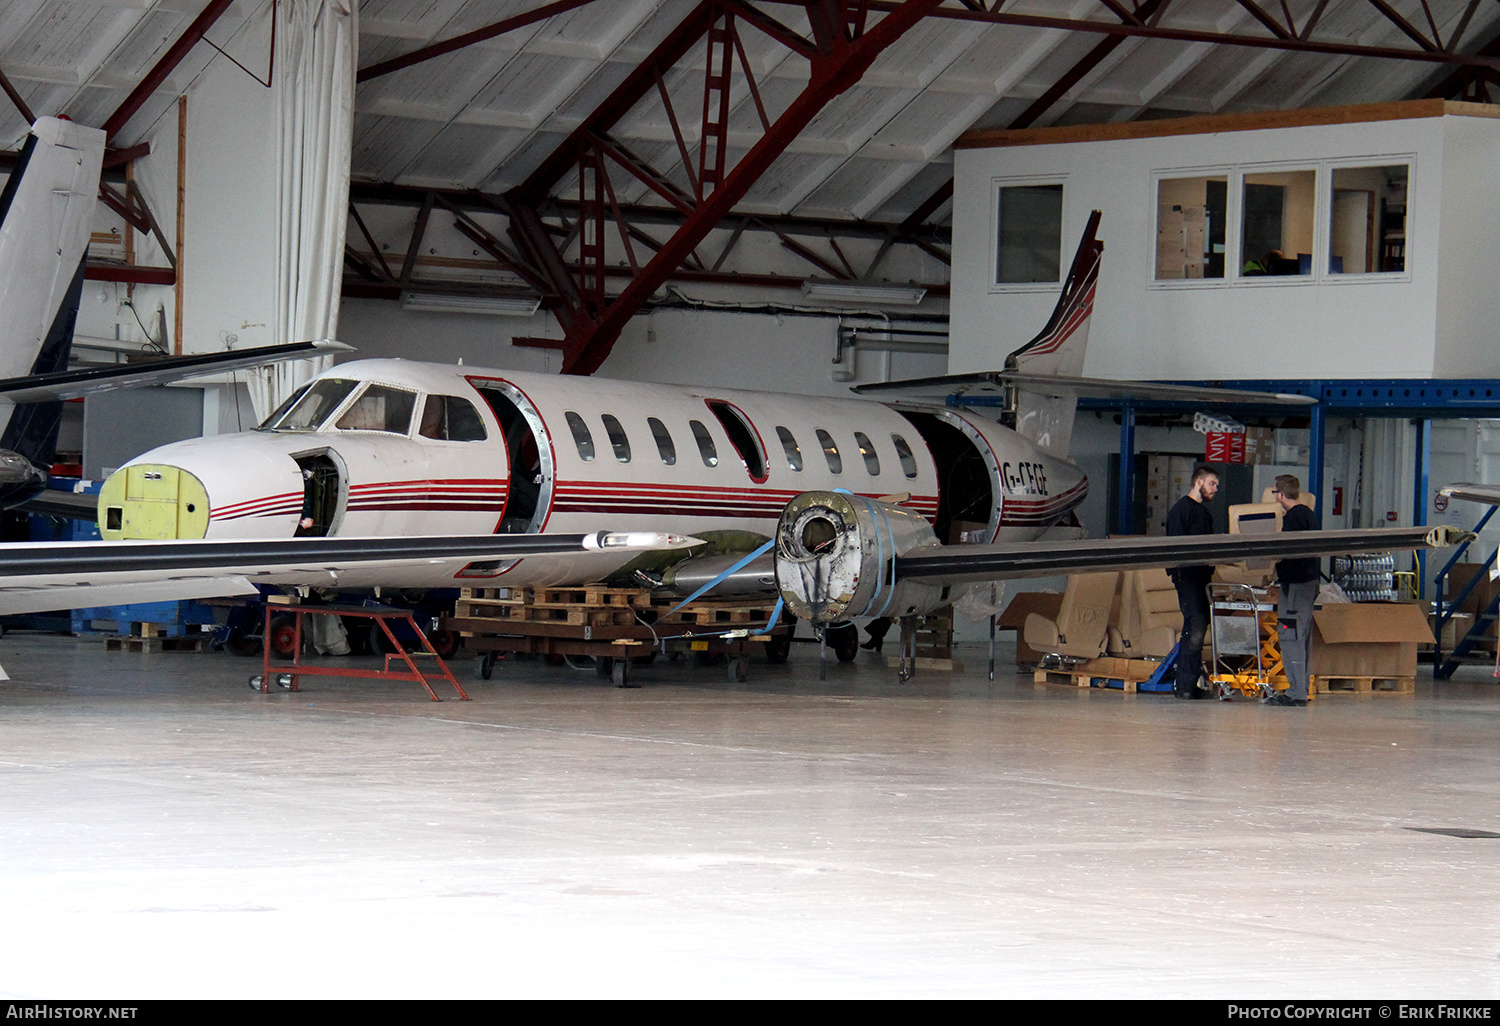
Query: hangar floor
{"x": 169, "y": 833}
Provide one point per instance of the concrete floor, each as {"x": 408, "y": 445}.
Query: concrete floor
{"x": 169, "y": 833}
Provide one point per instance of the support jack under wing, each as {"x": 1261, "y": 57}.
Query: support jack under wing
{"x": 73, "y": 575}
{"x": 840, "y": 556}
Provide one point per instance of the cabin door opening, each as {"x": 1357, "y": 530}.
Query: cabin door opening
{"x": 528, "y": 493}
{"x": 322, "y": 495}
{"x": 966, "y": 475}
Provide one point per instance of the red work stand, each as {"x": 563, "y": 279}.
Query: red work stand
{"x": 287, "y": 674}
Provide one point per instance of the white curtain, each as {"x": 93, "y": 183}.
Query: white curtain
{"x": 317, "y": 50}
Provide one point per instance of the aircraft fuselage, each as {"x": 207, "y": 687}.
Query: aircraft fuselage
{"x": 392, "y": 447}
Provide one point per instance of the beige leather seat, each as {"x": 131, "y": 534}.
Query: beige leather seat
{"x": 1150, "y": 621}
{"x": 1081, "y": 624}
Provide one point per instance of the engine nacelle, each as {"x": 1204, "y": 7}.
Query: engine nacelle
{"x": 836, "y": 558}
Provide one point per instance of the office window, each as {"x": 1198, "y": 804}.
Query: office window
{"x": 790, "y": 447}
{"x": 1276, "y": 223}
{"x": 1029, "y": 234}
{"x": 664, "y": 443}
{"x": 582, "y": 437}
{"x": 1367, "y": 233}
{"x": 1190, "y": 221}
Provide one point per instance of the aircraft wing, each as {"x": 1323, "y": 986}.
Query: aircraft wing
{"x": 956, "y": 564}
{"x": 70, "y": 384}
{"x": 1064, "y": 387}
{"x": 1486, "y": 493}
{"x": 75, "y": 575}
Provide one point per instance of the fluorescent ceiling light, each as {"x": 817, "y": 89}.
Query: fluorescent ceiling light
{"x": 863, "y": 292}
{"x": 519, "y": 305}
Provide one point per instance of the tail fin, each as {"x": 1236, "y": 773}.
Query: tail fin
{"x": 46, "y": 213}
{"x": 1058, "y": 350}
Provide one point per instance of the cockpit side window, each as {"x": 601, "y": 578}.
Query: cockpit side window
{"x": 310, "y": 407}
{"x": 380, "y": 408}
{"x": 452, "y": 419}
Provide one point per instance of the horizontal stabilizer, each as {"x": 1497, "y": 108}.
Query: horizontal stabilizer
{"x": 1063, "y": 387}
{"x": 1486, "y": 493}
{"x": 70, "y": 384}
{"x": 956, "y": 564}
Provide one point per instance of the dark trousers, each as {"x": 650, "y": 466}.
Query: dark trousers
{"x": 1192, "y": 599}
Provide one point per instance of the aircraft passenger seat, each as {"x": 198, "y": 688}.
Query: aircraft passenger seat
{"x": 1150, "y": 620}
{"x": 1081, "y": 624}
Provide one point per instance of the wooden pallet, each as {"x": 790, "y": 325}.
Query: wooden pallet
{"x": 1085, "y": 679}
{"x": 1325, "y": 685}
{"x": 133, "y": 643}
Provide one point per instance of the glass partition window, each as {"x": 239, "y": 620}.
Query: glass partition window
{"x": 1029, "y": 234}
{"x": 1190, "y": 219}
{"x": 1276, "y": 223}
{"x": 1367, "y": 222}
{"x": 380, "y": 408}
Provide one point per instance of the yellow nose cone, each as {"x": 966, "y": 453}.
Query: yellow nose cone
{"x": 152, "y": 501}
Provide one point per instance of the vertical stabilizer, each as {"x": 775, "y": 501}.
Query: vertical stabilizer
{"x": 46, "y": 214}
{"x": 1059, "y": 349}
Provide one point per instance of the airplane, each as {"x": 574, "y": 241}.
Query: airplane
{"x": 51, "y": 195}
{"x": 400, "y": 448}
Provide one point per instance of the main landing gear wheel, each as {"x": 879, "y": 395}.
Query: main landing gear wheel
{"x": 445, "y": 643}
{"x": 844, "y": 640}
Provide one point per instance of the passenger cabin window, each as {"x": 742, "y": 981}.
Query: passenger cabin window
{"x": 380, "y": 408}
{"x": 831, "y": 452}
{"x": 308, "y": 408}
{"x": 664, "y": 443}
{"x": 867, "y": 450}
{"x": 581, "y": 436}
{"x": 706, "y": 447}
{"x": 449, "y": 418}
{"x": 1028, "y": 244}
{"x": 742, "y": 436}
{"x": 617, "y": 439}
{"x": 904, "y": 454}
{"x": 790, "y": 447}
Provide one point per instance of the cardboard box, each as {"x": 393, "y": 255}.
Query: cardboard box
{"x": 1368, "y": 639}
{"x": 1043, "y": 603}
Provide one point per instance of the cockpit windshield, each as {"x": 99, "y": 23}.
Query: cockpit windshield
{"x": 310, "y": 405}
{"x": 380, "y": 408}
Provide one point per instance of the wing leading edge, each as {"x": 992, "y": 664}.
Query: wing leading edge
{"x": 72, "y": 575}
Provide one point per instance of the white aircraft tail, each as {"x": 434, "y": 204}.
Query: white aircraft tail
{"x": 46, "y": 214}
{"x": 1058, "y": 351}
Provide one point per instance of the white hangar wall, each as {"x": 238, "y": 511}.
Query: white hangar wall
{"x": 1434, "y": 318}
